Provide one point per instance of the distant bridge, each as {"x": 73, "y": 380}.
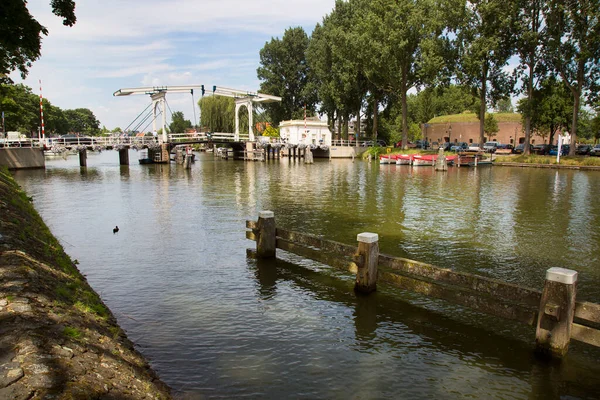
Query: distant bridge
{"x": 109, "y": 142}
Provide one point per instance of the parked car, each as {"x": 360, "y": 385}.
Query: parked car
{"x": 409, "y": 145}
{"x": 474, "y": 147}
{"x": 422, "y": 144}
{"x": 554, "y": 151}
{"x": 541, "y": 149}
{"x": 380, "y": 142}
{"x": 490, "y": 147}
{"x": 595, "y": 151}
{"x": 520, "y": 148}
{"x": 459, "y": 146}
{"x": 504, "y": 149}
{"x": 583, "y": 149}
{"x": 564, "y": 150}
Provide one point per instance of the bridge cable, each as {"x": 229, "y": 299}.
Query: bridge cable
{"x": 142, "y": 121}
{"x": 152, "y": 121}
{"x": 132, "y": 122}
{"x": 194, "y": 108}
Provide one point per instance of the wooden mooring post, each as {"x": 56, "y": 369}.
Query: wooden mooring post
{"x": 555, "y": 316}
{"x": 266, "y": 239}
{"x": 124, "y": 156}
{"x": 83, "y": 157}
{"x": 366, "y": 259}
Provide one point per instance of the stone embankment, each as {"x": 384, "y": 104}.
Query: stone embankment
{"x": 57, "y": 339}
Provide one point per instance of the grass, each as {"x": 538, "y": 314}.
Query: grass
{"x": 73, "y": 333}
{"x": 537, "y": 159}
{"x": 472, "y": 117}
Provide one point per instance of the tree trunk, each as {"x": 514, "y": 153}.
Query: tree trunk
{"x": 482, "y": 107}
{"x": 404, "y": 110}
{"x": 339, "y": 130}
{"x": 576, "y": 104}
{"x": 345, "y": 133}
{"x": 357, "y": 128}
{"x": 526, "y": 149}
{"x": 375, "y": 111}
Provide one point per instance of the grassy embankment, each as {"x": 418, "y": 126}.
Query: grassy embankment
{"x": 548, "y": 160}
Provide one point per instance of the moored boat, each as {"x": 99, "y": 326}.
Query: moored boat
{"x": 387, "y": 159}
{"x": 404, "y": 159}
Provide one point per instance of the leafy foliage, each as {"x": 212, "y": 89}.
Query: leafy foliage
{"x": 485, "y": 45}
{"x": 21, "y": 34}
{"x": 284, "y": 72}
{"x": 217, "y": 113}
{"x": 490, "y": 126}
{"x": 22, "y": 113}
{"x": 178, "y": 123}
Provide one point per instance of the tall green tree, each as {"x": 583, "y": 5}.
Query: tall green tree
{"x": 21, "y": 108}
{"x": 491, "y": 126}
{"x": 530, "y": 36}
{"x": 486, "y": 42}
{"x": 332, "y": 59}
{"x": 574, "y": 49}
{"x": 550, "y": 108}
{"x": 284, "y": 72}
{"x": 217, "y": 113}
{"x": 178, "y": 123}
{"x": 82, "y": 120}
{"x": 403, "y": 45}
{"x": 21, "y": 34}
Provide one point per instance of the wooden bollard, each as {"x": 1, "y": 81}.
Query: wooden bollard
{"x": 124, "y": 156}
{"x": 366, "y": 259}
{"x": 266, "y": 241}
{"x": 83, "y": 158}
{"x": 555, "y": 317}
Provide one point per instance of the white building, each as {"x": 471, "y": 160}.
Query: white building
{"x": 316, "y": 132}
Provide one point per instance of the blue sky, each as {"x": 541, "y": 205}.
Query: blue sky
{"x": 133, "y": 43}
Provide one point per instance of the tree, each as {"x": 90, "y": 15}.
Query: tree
{"x": 334, "y": 66}
{"x": 485, "y": 45}
{"x": 574, "y": 49}
{"x": 21, "y": 108}
{"x": 549, "y": 109}
{"x": 504, "y": 105}
{"x": 491, "y": 126}
{"x": 284, "y": 72}
{"x": 178, "y": 123}
{"x": 217, "y": 113}
{"x": 21, "y": 34}
{"x": 403, "y": 46}
{"x": 531, "y": 36}
{"x": 82, "y": 120}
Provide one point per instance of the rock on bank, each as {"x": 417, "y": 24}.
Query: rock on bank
{"x": 57, "y": 339}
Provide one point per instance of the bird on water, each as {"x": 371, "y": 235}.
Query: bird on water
{"x": 115, "y": 229}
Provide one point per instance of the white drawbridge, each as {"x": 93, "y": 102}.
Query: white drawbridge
{"x": 242, "y": 98}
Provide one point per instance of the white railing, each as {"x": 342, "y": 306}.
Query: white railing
{"x": 107, "y": 141}
{"x": 350, "y": 143}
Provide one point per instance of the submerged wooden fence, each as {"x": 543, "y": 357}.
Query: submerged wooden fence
{"x": 557, "y": 315}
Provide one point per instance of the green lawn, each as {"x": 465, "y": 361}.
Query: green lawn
{"x": 471, "y": 117}
{"x": 536, "y": 159}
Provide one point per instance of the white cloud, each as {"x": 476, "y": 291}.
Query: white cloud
{"x": 118, "y": 43}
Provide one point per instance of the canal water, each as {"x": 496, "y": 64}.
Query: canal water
{"x": 215, "y": 324}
